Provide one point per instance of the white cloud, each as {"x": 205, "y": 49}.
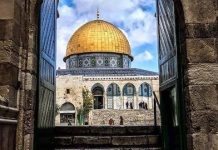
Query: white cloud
{"x": 144, "y": 56}
{"x": 138, "y": 25}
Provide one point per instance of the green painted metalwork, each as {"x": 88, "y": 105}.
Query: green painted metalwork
{"x": 46, "y": 73}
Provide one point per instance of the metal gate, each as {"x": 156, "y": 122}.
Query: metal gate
{"x": 47, "y": 67}
{"x": 168, "y": 42}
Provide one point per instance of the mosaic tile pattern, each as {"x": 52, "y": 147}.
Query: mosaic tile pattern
{"x": 98, "y": 60}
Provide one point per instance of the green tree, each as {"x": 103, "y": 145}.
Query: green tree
{"x": 82, "y": 113}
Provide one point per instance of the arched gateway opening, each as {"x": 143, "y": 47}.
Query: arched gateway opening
{"x": 98, "y": 95}
{"x": 188, "y": 77}
{"x": 92, "y": 52}
{"x": 67, "y": 114}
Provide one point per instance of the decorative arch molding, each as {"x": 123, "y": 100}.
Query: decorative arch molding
{"x": 67, "y": 106}
{"x": 97, "y": 85}
{"x": 145, "y": 90}
{"x": 113, "y": 89}
{"x": 129, "y": 89}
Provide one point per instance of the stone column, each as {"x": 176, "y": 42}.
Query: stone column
{"x": 105, "y": 100}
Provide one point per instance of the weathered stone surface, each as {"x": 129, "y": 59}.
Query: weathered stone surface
{"x": 32, "y": 63}
{"x": 6, "y": 31}
{"x": 29, "y": 122}
{"x": 31, "y": 81}
{"x": 201, "y": 50}
{"x": 199, "y": 11}
{"x": 9, "y": 95}
{"x": 30, "y": 100}
{"x": 7, "y": 9}
{"x": 202, "y": 141}
{"x": 92, "y": 140}
{"x": 203, "y": 74}
{"x": 76, "y": 83}
{"x": 10, "y": 30}
{"x": 5, "y": 132}
{"x": 8, "y": 74}
{"x": 203, "y": 121}
{"x": 130, "y": 117}
{"x": 208, "y": 30}
{"x": 28, "y": 142}
{"x": 203, "y": 97}
{"x": 129, "y": 140}
{"x": 9, "y": 52}
{"x": 63, "y": 141}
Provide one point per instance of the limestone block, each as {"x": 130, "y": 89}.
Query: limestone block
{"x": 199, "y": 11}
{"x": 31, "y": 82}
{"x": 29, "y": 122}
{"x": 32, "y": 62}
{"x": 9, "y": 95}
{"x": 203, "y": 97}
{"x": 90, "y": 140}
{"x": 63, "y": 141}
{"x": 6, "y": 9}
{"x": 6, "y": 30}
{"x": 9, "y": 53}
{"x": 207, "y": 30}
{"x": 201, "y": 50}
{"x": 8, "y": 74}
{"x": 204, "y": 121}
{"x": 202, "y": 141}
{"x": 28, "y": 142}
{"x": 130, "y": 117}
{"x": 30, "y": 100}
{"x": 214, "y": 141}
{"x": 202, "y": 73}
{"x": 129, "y": 140}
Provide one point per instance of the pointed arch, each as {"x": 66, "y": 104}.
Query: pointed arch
{"x": 145, "y": 90}
{"x": 113, "y": 90}
{"x": 129, "y": 90}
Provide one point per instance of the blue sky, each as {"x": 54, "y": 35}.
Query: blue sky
{"x": 136, "y": 18}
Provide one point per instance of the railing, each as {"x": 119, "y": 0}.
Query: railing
{"x": 156, "y": 103}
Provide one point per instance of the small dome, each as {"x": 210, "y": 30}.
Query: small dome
{"x": 98, "y": 36}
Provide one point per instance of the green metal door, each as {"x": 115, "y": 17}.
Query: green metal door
{"x": 47, "y": 66}
{"x": 170, "y": 95}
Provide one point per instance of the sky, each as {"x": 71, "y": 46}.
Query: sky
{"x": 136, "y": 18}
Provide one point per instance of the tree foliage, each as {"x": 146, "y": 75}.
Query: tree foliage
{"x": 83, "y": 112}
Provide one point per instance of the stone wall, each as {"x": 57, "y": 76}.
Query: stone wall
{"x": 75, "y": 84}
{"x": 130, "y": 117}
{"x": 200, "y": 49}
{"x": 18, "y": 69}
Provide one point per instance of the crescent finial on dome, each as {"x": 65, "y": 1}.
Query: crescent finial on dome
{"x": 98, "y": 13}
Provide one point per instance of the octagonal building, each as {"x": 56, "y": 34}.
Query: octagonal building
{"x": 98, "y": 58}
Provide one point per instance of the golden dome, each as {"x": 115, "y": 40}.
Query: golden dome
{"x": 98, "y": 36}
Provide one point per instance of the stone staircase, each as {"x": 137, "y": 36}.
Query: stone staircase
{"x": 108, "y": 137}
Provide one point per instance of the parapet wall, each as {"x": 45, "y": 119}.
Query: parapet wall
{"x": 130, "y": 117}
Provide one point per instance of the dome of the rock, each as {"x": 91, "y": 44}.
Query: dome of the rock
{"x": 98, "y": 36}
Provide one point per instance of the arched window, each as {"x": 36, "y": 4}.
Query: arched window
{"x": 67, "y": 114}
{"x": 129, "y": 90}
{"x": 113, "y": 90}
{"x": 145, "y": 90}
{"x": 98, "y": 94}
{"x": 67, "y": 107}
{"x": 97, "y": 89}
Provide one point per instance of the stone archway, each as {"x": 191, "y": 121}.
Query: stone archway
{"x": 114, "y": 100}
{"x": 67, "y": 114}
{"x": 198, "y": 70}
{"x": 98, "y": 94}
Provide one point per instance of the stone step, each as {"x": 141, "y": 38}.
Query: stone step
{"x": 137, "y": 141}
{"x": 106, "y": 130}
{"x": 113, "y": 149}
